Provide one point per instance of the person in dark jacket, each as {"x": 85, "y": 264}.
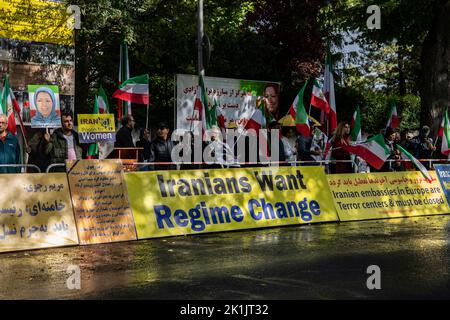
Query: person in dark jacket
{"x": 9, "y": 148}
{"x": 424, "y": 146}
{"x": 63, "y": 144}
{"x": 144, "y": 140}
{"x": 124, "y": 138}
{"x": 36, "y": 151}
{"x": 161, "y": 148}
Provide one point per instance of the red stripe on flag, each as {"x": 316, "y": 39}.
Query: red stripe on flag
{"x": 303, "y": 129}
{"x": 319, "y": 103}
{"x": 131, "y": 97}
{"x": 368, "y": 156}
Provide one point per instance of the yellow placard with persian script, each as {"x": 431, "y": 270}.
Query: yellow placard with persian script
{"x": 100, "y": 201}
{"x": 168, "y": 203}
{"x": 35, "y": 20}
{"x": 36, "y": 212}
{"x": 386, "y": 195}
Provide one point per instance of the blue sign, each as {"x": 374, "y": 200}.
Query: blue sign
{"x": 443, "y": 173}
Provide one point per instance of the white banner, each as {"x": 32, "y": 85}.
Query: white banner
{"x": 236, "y": 98}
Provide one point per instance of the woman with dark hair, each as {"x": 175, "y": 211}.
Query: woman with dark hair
{"x": 340, "y": 140}
{"x": 271, "y": 94}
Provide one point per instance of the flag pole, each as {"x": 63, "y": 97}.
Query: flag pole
{"x": 146, "y": 123}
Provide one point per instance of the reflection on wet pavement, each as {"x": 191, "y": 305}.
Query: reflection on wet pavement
{"x": 325, "y": 261}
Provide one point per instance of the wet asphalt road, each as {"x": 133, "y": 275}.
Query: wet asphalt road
{"x": 326, "y": 261}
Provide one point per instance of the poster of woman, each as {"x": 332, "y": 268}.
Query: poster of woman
{"x": 45, "y": 111}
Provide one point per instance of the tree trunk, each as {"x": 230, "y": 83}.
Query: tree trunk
{"x": 82, "y": 77}
{"x": 435, "y": 84}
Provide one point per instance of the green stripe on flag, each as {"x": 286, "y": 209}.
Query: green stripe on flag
{"x": 416, "y": 163}
{"x": 301, "y": 116}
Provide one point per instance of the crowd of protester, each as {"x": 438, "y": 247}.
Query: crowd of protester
{"x": 44, "y": 149}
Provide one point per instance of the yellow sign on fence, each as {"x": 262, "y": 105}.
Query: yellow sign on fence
{"x": 100, "y": 200}
{"x": 96, "y": 127}
{"x": 35, "y": 20}
{"x": 36, "y": 212}
{"x": 103, "y": 122}
{"x": 386, "y": 195}
{"x": 168, "y": 203}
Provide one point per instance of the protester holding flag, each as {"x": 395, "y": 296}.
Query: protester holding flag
{"x": 64, "y": 144}
{"x": 9, "y": 147}
{"x": 391, "y": 144}
{"x": 340, "y": 141}
{"x": 425, "y": 145}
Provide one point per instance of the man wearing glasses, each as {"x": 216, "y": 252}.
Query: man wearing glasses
{"x": 9, "y": 148}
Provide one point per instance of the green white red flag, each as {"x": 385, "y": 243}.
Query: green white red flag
{"x": 441, "y": 128}
{"x": 298, "y": 112}
{"x": 124, "y": 107}
{"x": 10, "y": 106}
{"x": 218, "y": 111}
{"x": 328, "y": 90}
{"x": 93, "y": 147}
{"x": 207, "y": 116}
{"x": 355, "y": 134}
{"x": 318, "y": 98}
{"x": 102, "y": 101}
{"x": 134, "y": 90}
{"x": 445, "y": 148}
{"x": 258, "y": 120}
{"x": 374, "y": 151}
{"x": 417, "y": 164}
{"x": 393, "y": 121}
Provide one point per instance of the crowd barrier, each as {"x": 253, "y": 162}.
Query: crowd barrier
{"x": 97, "y": 201}
{"x": 23, "y": 167}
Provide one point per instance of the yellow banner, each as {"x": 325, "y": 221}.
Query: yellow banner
{"x": 35, "y": 20}
{"x": 36, "y": 212}
{"x": 386, "y": 195}
{"x": 96, "y": 122}
{"x": 169, "y": 203}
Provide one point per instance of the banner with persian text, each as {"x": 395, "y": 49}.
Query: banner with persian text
{"x": 386, "y": 195}
{"x": 236, "y": 99}
{"x": 100, "y": 201}
{"x": 36, "y": 212}
{"x": 35, "y": 20}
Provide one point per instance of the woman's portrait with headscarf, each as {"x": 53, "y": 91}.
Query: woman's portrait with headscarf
{"x": 46, "y": 108}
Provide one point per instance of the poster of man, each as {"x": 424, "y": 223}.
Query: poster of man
{"x": 45, "y": 110}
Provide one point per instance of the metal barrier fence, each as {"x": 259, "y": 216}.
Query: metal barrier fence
{"x": 55, "y": 165}
{"x": 150, "y": 166}
{"x": 21, "y": 166}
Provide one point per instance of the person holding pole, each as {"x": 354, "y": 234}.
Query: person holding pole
{"x": 63, "y": 144}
